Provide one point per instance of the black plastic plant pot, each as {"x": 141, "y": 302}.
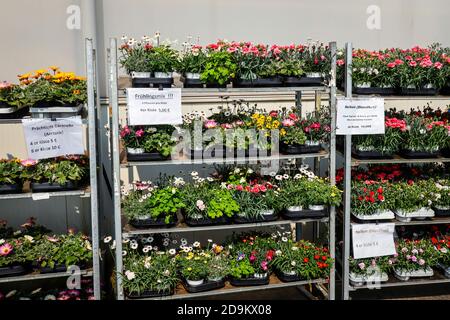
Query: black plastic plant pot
{"x": 206, "y": 221}
{"x": 288, "y": 277}
{"x": 441, "y": 212}
{"x": 367, "y": 155}
{"x": 56, "y": 268}
{"x": 140, "y": 82}
{"x": 192, "y": 83}
{"x": 53, "y": 187}
{"x": 310, "y": 81}
{"x": 304, "y": 214}
{"x": 261, "y": 218}
{"x": 50, "y": 104}
{"x": 408, "y": 154}
{"x": 13, "y": 113}
{"x": 150, "y": 294}
{"x": 258, "y": 83}
{"x": 10, "y": 188}
{"x": 445, "y": 91}
{"x": 161, "y": 82}
{"x": 147, "y": 156}
{"x": 374, "y": 90}
{"x": 299, "y": 149}
{"x": 153, "y": 223}
{"x": 11, "y": 271}
{"x": 246, "y": 282}
{"x": 292, "y": 82}
{"x": 216, "y": 85}
{"x": 417, "y": 92}
{"x": 206, "y": 286}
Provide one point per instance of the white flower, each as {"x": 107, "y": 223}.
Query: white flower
{"x": 113, "y": 246}
{"x": 196, "y": 244}
{"x": 150, "y": 248}
{"x": 297, "y": 176}
{"x": 150, "y": 239}
{"x": 273, "y": 174}
{"x": 145, "y": 250}
{"x": 237, "y": 170}
{"x": 293, "y": 263}
{"x": 124, "y": 253}
{"x": 242, "y": 180}
{"x": 278, "y": 252}
{"x": 210, "y": 179}
{"x": 284, "y": 239}
{"x": 422, "y": 131}
{"x": 166, "y": 273}
{"x": 29, "y": 238}
{"x": 130, "y": 275}
{"x": 201, "y": 180}
{"x": 294, "y": 248}
{"x": 126, "y": 240}
{"x": 285, "y": 176}
{"x": 194, "y": 173}
{"x": 172, "y": 251}
{"x": 429, "y": 202}
{"x": 279, "y": 177}
{"x": 2, "y": 241}
{"x": 249, "y": 171}
{"x": 183, "y": 241}
{"x": 210, "y": 240}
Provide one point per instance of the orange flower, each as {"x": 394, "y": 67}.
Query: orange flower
{"x": 76, "y": 91}
{"x": 24, "y": 76}
{"x": 54, "y": 68}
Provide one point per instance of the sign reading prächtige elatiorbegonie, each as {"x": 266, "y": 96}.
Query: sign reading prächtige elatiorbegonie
{"x": 148, "y": 106}
{"x": 47, "y": 138}
{"x": 360, "y": 116}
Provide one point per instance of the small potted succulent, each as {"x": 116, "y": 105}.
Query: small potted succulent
{"x": 412, "y": 199}
{"x": 192, "y": 64}
{"x": 370, "y": 270}
{"x": 372, "y": 200}
{"x": 12, "y": 98}
{"x": 11, "y": 176}
{"x": 441, "y": 197}
{"x": 147, "y": 205}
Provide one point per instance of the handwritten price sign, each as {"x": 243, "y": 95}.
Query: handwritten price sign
{"x": 373, "y": 240}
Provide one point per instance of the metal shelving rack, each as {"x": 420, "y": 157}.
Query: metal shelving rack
{"x": 350, "y": 162}
{"x": 126, "y": 232}
{"x": 90, "y": 192}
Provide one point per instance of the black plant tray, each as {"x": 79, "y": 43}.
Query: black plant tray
{"x": 417, "y": 92}
{"x": 265, "y": 218}
{"x": 441, "y": 213}
{"x": 151, "y": 223}
{"x": 147, "y": 156}
{"x": 206, "y": 221}
{"x": 306, "y": 214}
{"x": 249, "y": 282}
{"x": 53, "y": 187}
{"x": 150, "y": 294}
{"x": 445, "y": 91}
{"x": 10, "y": 188}
{"x": 263, "y": 82}
{"x": 16, "y": 114}
{"x": 293, "y": 82}
{"x": 152, "y": 82}
{"x": 367, "y": 155}
{"x": 206, "y": 286}
{"x": 216, "y": 85}
{"x": 376, "y": 90}
{"x": 299, "y": 149}
{"x": 408, "y": 154}
{"x": 192, "y": 83}
{"x": 288, "y": 278}
{"x": 445, "y": 152}
{"x": 56, "y": 268}
{"x": 309, "y": 81}
{"x": 12, "y": 271}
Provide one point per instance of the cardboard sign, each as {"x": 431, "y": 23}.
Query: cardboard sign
{"x": 148, "y": 106}
{"x": 373, "y": 240}
{"x": 360, "y": 116}
{"x": 48, "y": 138}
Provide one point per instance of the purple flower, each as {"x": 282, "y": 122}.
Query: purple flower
{"x": 240, "y": 257}
{"x": 414, "y": 259}
{"x": 210, "y": 124}
{"x": 362, "y": 265}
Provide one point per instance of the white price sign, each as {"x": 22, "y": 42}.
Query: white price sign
{"x": 147, "y": 106}
{"x": 373, "y": 240}
{"x": 48, "y": 138}
{"x": 360, "y": 116}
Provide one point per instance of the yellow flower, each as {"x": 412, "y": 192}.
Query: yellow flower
{"x": 189, "y": 269}
{"x": 40, "y": 72}
{"x": 282, "y": 132}
{"x": 24, "y": 76}
{"x": 53, "y": 68}
{"x": 76, "y": 91}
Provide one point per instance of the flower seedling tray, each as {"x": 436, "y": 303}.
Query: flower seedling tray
{"x": 151, "y": 223}
{"x": 358, "y": 280}
{"x": 304, "y": 214}
{"x": 206, "y": 221}
{"x": 56, "y": 268}
{"x": 381, "y": 215}
{"x": 263, "y": 82}
{"x": 150, "y": 294}
{"x": 249, "y": 281}
{"x": 10, "y": 188}
{"x": 408, "y": 154}
{"x": 374, "y": 90}
{"x": 206, "y": 286}
{"x": 404, "y": 275}
{"x": 65, "y": 111}
{"x": 192, "y": 83}
{"x": 440, "y": 212}
{"x": 417, "y": 92}
{"x": 294, "y": 82}
{"x": 146, "y": 156}
{"x": 262, "y": 218}
{"x": 367, "y": 155}
{"x": 12, "y": 271}
{"x": 284, "y": 277}
{"x": 299, "y": 149}
{"x": 310, "y": 81}
{"x": 420, "y": 214}
{"x": 53, "y": 187}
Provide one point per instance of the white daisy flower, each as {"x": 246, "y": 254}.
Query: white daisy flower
{"x": 107, "y": 239}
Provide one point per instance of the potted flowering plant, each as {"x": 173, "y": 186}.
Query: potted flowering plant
{"x": 441, "y": 197}
{"x": 371, "y": 200}
{"x": 301, "y": 261}
{"x": 192, "y": 64}
{"x": 12, "y": 97}
{"x": 63, "y": 173}
{"x": 135, "y": 60}
{"x": 193, "y": 266}
{"x": 317, "y": 130}
{"x": 220, "y": 67}
{"x": 414, "y": 258}
{"x": 206, "y": 203}
{"x": 14, "y": 255}
{"x": 53, "y": 93}
{"x": 316, "y": 57}
{"x": 441, "y": 244}
{"x": 163, "y": 61}
{"x": 370, "y": 270}
{"x": 292, "y": 136}
{"x": 319, "y": 194}
{"x": 218, "y": 265}
{"x": 133, "y": 138}
{"x": 11, "y": 176}
{"x": 147, "y": 272}
{"x": 412, "y": 199}
{"x": 147, "y": 205}
{"x": 290, "y": 66}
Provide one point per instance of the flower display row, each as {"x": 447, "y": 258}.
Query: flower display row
{"x": 406, "y": 71}
{"x": 34, "y": 247}
{"x": 150, "y": 270}
{"x": 240, "y": 195}
{"x": 63, "y": 173}
{"x": 414, "y": 258}
{"x": 216, "y": 65}
{"x": 413, "y": 134}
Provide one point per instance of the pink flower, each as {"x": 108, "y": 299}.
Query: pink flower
{"x": 210, "y": 124}
{"x": 239, "y": 188}
{"x": 340, "y": 62}
{"x": 391, "y": 65}
{"x": 414, "y": 259}
{"x": 200, "y": 205}
{"x": 28, "y": 162}
{"x": 139, "y": 133}
{"x": 4, "y": 85}
{"x": 421, "y": 262}
{"x": 226, "y": 126}
{"x": 273, "y": 113}
{"x": 288, "y": 122}
{"x": 438, "y": 65}
{"x": 125, "y": 131}
{"x": 238, "y": 123}
{"x": 5, "y": 249}
{"x": 264, "y": 265}
{"x": 362, "y": 265}
{"x": 412, "y": 63}
{"x": 263, "y": 188}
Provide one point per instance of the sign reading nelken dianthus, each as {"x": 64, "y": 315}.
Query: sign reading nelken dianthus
{"x": 360, "y": 116}
{"x": 148, "y": 106}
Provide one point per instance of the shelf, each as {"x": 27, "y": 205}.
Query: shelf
{"x": 43, "y": 276}
{"x": 129, "y": 231}
{"x": 394, "y": 282}
{"x": 84, "y": 193}
{"x": 181, "y": 293}
{"x": 398, "y": 159}
{"x": 322, "y": 154}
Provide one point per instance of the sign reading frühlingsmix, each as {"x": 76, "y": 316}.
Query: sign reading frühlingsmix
{"x": 47, "y": 138}
{"x": 373, "y": 240}
{"x": 148, "y": 106}
{"x": 360, "y": 116}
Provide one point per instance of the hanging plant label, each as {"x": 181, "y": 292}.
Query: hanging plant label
{"x": 360, "y": 116}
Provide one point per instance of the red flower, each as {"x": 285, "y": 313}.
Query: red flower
{"x": 316, "y": 257}
{"x": 380, "y": 197}
{"x": 305, "y": 260}
{"x": 380, "y": 190}
{"x": 324, "y": 258}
